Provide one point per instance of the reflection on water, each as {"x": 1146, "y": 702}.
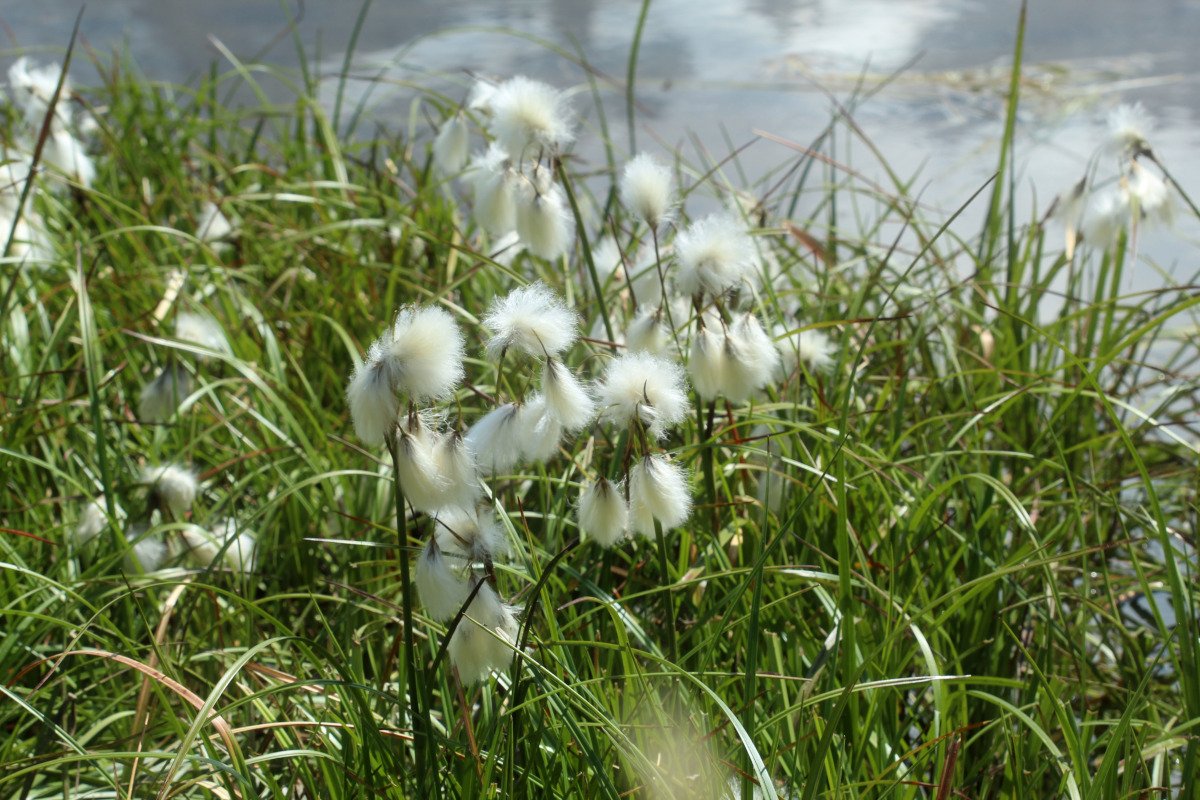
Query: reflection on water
{"x": 737, "y": 66}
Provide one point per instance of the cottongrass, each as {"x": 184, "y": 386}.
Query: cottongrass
{"x": 485, "y": 639}
{"x": 658, "y": 491}
{"x": 603, "y": 513}
{"x": 530, "y": 319}
{"x": 643, "y": 389}
{"x": 529, "y": 114}
{"x": 715, "y": 254}
{"x": 442, "y": 590}
{"x": 174, "y": 486}
{"x": 645, "y": 189}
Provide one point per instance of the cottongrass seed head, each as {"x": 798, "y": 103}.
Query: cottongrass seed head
{"x": 202, "y": 330}
{"x": 1106, "y": 215}
{"x": 715, "y": 254}
{"x": 603, "y": 512}
{"x": 235, "y": 547}
{"x": 419, "y": 357}
{"x": 452, "y": 145}
{"x": 455, "y": 462}
{"x": 147, "y": 550}
{"x": 1150, "y": 194}
{"x": 645, "y": 189}
{"x": 424, "y": 486}
{"x": 1129, "y": 128}
{"x": 529, "y": 114}
{"x": 93, "y": 519}
{"x": 753, "y": 359}
{"x": 531, "y": 319}
{"x": 812, "y": 348}
{"x": 544, "y": 223}
{"x": 495, "y": 185}
{"x": 708, "y": 362}
{"x": 539, "y": 430}
{"x": 495, "y": 439}
{"x": 160, "y": 397}
{"x": 566, "y": 398}
{"x": 645, "y": 388}
{"x": 485, "y": 638}
{"x": 658, "y": 490}
{"x": 174, "y": 486}
{"x": 470, "y": 535}
{"x": 441, "y": 587}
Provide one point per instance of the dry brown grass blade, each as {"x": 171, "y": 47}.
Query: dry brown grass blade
{"x": 141, "y": 716}
{"x": 224, "y": 730}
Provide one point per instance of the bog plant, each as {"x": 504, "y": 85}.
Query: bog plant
{"x": 470, "y": 471}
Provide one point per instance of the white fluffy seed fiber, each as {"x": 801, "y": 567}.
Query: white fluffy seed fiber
{"x": 485, "y": 638}
{"x": 603, "y": 513}
{"x": 645, "y": 189}
{"x": 440, "y": 588}
{"x": 174, "y": 485}
{"x": 566, "y": 398}
{"x": 658, "y": 490}
{"x": 494, "y": 439}
{"x": 646, "y": 388}
{"x": 714, "y": 254}
{"x": 528, "y": 115}
{"x": 543, "y": 221}
{"x": 531, "y": 319}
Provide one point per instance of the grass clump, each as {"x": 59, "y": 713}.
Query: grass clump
{"x": 870, "y": 507}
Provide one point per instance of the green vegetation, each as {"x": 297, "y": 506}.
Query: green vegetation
{"x": 904, "y": 575}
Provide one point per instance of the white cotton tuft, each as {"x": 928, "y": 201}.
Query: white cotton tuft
{"x": 1129, "y": 127}
{"x": 160, "y": 397}
{"x": 426, "y": 349}
{"x": 33, "y": 88}
{"x": 66, "y": 154}
{"x": 425, "y": 488}
{"x": 566, "y": 398}
{"x": 715, "y": 254}
{"x": 472, "y": 536}
{"x": 494, "y": 184}
{"x": 648, "y": 333}
{"x": 202, "y": 330}
{"x": 1150, "y": 195}
{"x": 480, "y": 96}
{"x": 485, "y": 638}
{"x": 455, "y": 462}
{"x": 658, "y": 490}
{"x": 147, "y": 551}
{"x": 452, "y": 145}
{"x": 419, "y": 357}
{"x": 212, "y": 225}
{"x": 373, "y": 403}
{"x": 531, "y": 319}
{"x": 752, "y": 358}
{"x": 495, "y": 439}
{"x": 235, "y": 548}
{"x": 1106, "y": 214}
{"x": 645, "y": 189}
{"x": 529, "y": 115}
{"x": 93, "y": 519}
{"x": 543, "y": 220}
{"x": 603, "y": 513}
{"x": 812, "y": 348}
{"x": 441, "y": 590}
{"x": 173, "y": 485}
{"x": 708, "y": 363}
{"x": 645, "y": 388}
{"x": 540, "y": 431}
